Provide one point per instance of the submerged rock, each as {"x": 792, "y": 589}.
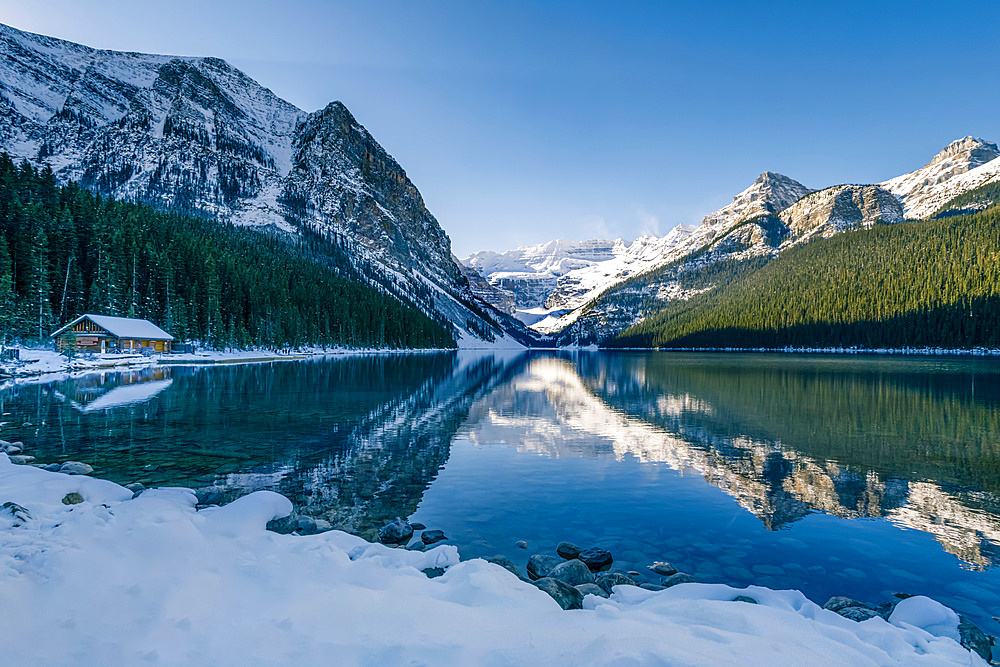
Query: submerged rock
{"x": 663, "y": 568}
{"x": 573, "y": 572}
{"x": 591, "y": 589}
{"x": 609, "y": 580}
{"x": 521, "y": 544}
{"x": 75, "y": 468}
{"x": 568, "y": 550}
{"x": 432, "y": 536}
{"x": 395, "y": 532}
{"x": 596, "y": 559}
{"x": 679, "y": 578}
{"x": 565, "y": 595}
{"x": 539, "y": 565}
{"x": 73, "y": 498}
{"x": 417, "y": 526}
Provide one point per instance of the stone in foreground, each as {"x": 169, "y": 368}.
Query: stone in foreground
{"x": 395, "y": 532}
{"x": 565, "y": 595}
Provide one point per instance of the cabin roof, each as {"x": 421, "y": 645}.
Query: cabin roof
{"x": 121, "y": 327}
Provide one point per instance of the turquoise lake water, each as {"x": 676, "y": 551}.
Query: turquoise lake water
{"x": 857, "y": 476}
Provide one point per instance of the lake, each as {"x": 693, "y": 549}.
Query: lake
{"x": 858, "y": 476}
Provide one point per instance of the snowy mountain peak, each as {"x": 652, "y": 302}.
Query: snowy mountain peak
{"x": 972, "y": 150}
{"x": 770, "y": 193}
{"x": 962, "y": 165}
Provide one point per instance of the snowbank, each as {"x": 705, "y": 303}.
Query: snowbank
{"x": 114, "y": 580}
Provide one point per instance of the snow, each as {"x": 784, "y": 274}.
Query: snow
{"x": 124, "y": 327}
{"x": 927, "y": 614}
{"x": 961, "y": 166}
{"x": 152, "y": 579}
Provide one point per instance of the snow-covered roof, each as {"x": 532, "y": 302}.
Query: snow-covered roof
{"x": 122, "y": 327}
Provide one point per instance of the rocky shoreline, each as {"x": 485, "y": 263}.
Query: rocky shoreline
{"x": 569, "y": 576}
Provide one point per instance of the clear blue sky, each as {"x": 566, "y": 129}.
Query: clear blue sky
{"x": 521, "y": 122}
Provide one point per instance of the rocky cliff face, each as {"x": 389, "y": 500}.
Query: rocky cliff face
{"x": 840, "y": 208}
{"x": 198, "y": 135}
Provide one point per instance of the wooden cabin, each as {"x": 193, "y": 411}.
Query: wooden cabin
{"x": 102, "y": 333}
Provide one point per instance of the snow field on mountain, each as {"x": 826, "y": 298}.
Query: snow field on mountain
{"x": 114, "y": 579}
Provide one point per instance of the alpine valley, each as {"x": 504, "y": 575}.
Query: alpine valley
{"x": 616, "y": 293}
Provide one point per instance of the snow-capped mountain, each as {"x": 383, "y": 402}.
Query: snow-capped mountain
{"x": 547, "y": 280}
{"x": 199, "y": 135}
{"x": 837, "y": 209}
{"x": 964, "y": 164}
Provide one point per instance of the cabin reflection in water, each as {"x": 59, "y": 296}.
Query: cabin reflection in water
{"x": 104, "y": 391}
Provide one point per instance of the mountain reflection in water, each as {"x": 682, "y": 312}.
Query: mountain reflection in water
{"x": 904, "y": 439}
{"x": 360, "y": 440}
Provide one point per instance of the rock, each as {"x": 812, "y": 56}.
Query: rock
{"x": 838, "y": 602}
{"x": 573, "y": 572}
{"x": 395, "y": 532}
{"x": 521, "y": 544}
{"x": 432, "y": 536}
{"x": 568, "y": 550}
{"x": 53, "y": 467}
{"x": 286, "y": 525}
{"x": 596, "y": 559}
{"x": 75, "y": 468}
{"x": 433, "y": 572}
{"x": 564, "y": 594}
{"x": 858, "y": 613}
{"x": 609, "y": 580}
{"x": 135, "y": 487}
{"x": 322, "y": 525}
{"x": 306, "y": 525}
{"x": 591, "y": 589}
{"x": 16, "y": 511}
{"x": 417, "y": 546}
{"x": 418, "y": 526}
{"x": 73, "y": 498}
{"x": 744, "y": 598}
{"x": 663, "y": 568}
{"x": 679, "y": 578}
{"x": 539, "y": 566}
{"x": 11, "y": 448}
{"x": 506, "y": 564}
{"x": 208, "y": 495}
{"x": 652, "y": 587}
{"x": 21, "y": 459}
{"x": 634, "y": 573}
{"x": 973, "y": 638}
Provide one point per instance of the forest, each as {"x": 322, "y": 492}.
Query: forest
{"x": 65, "y": 251}
{"x": 927, "y": 283}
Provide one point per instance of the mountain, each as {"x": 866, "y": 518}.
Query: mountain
{"x": 925, "y": 283}
{"x": 964, "y": 164}
{"x": 198, "y": 135}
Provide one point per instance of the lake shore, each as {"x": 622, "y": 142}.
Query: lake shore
{"x": 173, "y": 578}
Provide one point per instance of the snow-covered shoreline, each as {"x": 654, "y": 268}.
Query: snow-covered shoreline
{"x": 101, "y": 577}
{"x": 42, "y": 365}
